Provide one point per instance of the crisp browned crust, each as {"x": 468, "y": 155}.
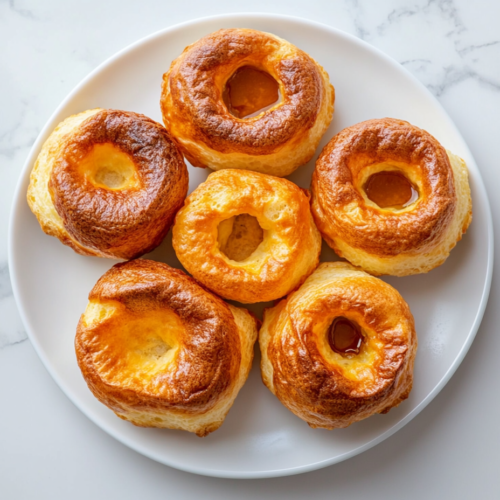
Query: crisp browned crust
{"x": 125, "y": 223}
{"x": 194, "y": 111}
{"x": 91, "y": 218}
{"x": 287, "y": 255}
{"x": 348, "y": 220}
{"x": 320, "y": 386}
{"x": 204, "y": 369}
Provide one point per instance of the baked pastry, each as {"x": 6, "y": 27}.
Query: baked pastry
{"x": 108, "y": 183}
{"x": 247, "y": 236}
{"x": 240, "y": 98}
{"x": 161, "y": 351}
{"x": 389, "y": 198}
{"x": 340, "y": 348}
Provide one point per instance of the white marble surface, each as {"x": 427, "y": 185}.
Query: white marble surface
{"x": 48, "y": 449}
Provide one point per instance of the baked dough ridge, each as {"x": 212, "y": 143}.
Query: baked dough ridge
{"x": 287, "y": 255}
{"x": 412, "y": 240}
{"x": 184, "y": 374}
{"x": 320, "y": 386}
{"x": 277, "y": 140}
{"x": 93, "y": 220}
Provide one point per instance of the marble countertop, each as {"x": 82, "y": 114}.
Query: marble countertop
{"x": 48, "y": 449}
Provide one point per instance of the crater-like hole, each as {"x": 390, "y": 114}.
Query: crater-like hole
{"x": 344, "y": 336}
{"x": 108, "y": 167}
{"x": 390, "y": 189}
{"x": 250, "y": 91}
{"x": 155, "y": 348}
{"x": 109, "y": 177}
{"x": 239, "y": 236}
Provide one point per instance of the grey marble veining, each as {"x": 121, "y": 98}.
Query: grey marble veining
{"x": 451, "y": 46}
{"x": 436, "y": 40}
{"x": 440, "y": 50}
{"x": 11, "y": 329}
{"x": 15, "y": 8}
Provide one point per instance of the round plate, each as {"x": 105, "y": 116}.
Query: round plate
{"x": 260, "y": 437}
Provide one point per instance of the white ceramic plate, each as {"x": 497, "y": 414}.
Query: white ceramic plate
{"x": 259, "y": 438}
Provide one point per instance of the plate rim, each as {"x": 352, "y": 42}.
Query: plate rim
{"x": 20, "y": 198}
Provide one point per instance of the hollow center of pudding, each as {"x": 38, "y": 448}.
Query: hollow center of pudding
{"x": 155, "y": 348}
{"x": 148, "y": 339}
{"x": 250, "y": 91}
{"x": 239, "y": 236}
{"x": 133, "y": 346}
{"x": 344, "y": 336}
{"x": 390, "y": 189}
{"x": 108, "y": 167}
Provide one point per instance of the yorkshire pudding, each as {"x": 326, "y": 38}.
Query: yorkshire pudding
{"x": 161, "y": 351}
{"x": 340, "y": 348}
{"x": 247, "y": 236}
{"x": 388, "y": 197}
{"x": 240, "y": 98}
{"x": 108, "y": 183}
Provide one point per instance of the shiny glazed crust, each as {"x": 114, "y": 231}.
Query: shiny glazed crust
{"x": 412, "y": 240}
{"x": 288, "y": 253}
{"x": 161, "y": 351}
{"x": 322, "y": 387}
{"x": 276, "y": 141}
{"x": 93, "y": 220}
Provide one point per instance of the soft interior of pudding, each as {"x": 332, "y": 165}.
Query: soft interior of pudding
{"x": 390, "y": 189}
{"x": 239, "y": 236}
{"x": 344, "y": 336}
{"x": 108, "y": 167}
{"x": 136, "y": 346}
{"x": 249, "y": 91}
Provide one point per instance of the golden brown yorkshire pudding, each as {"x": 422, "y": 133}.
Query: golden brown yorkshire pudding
{"x": 247, "y": 236}
{"x": 340, "y": 348}
{"x": 388, "y": 197}
{"x": 161, "y": 351}
{"x": 108, "y": 183}
{"x": 240, "y": 98}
